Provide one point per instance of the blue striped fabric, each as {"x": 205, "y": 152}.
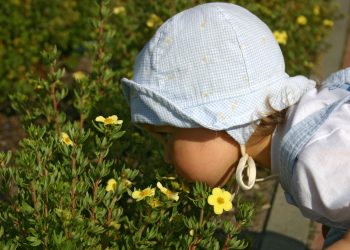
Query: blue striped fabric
{"x": 299, "y": 135}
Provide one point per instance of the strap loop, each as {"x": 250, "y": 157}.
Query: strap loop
{"x": 246, "y": 162}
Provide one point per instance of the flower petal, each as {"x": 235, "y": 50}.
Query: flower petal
{"x": 113, "y": 119}
{"x": 211, "y": 200}
{"x": 227, "y": 206}
{"x": 218, "y": 210}
{"x": 100, "y": 119}
{"x": 160, "y": 186}
{"x": 227, "y": 195}
{"x": 136, "y": 195}
{"x": 148, "y": 192}
{"x": 65, "y": 139}
{"x": 111, "y": 185}
{"x": 174, "y": 196}
{"x": 217, "y": 191}
{"x": 79, "y": 75}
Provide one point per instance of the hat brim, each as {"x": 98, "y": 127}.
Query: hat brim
{"x": 148, "y": 106}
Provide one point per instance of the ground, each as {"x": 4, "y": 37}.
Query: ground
{"x": 10, "y": 132}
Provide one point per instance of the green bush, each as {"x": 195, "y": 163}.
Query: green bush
{"x": 72, "y": 182}
{"x": 27, "y": 27}
{"x": 30, "y": 26}
{"x": 65, "y": 189}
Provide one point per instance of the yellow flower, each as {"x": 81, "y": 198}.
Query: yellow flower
{"x": 308, "y": 64}
{"x": 141, "y": 194}
{"x": 316, "y": 10}
{"x": 191, "y": 232}
{"x": 302, "y": 20}
{"x": 38, "y": 86}
{"x": 111, "y": 185}
{"x": 119, "y": 10}
{"x": 79, "y": 75}
{"x": 281, "y": 36}
{"x": 126, "y": 182}
{"x": 170, "y": 194}
{"x": 154, "y": 203}
{"x": 115, "y": 225}
{"x": 175, "y": 185}
{"x": 65, "y": 139}
{"x": 184, "y": 187}
{"x": 169, "y": 178}
{"x": 221, "y": 200}
{"x": 153, "y": 20}
{"x": 109, "y": 120}
{"x": 328, "y": 23}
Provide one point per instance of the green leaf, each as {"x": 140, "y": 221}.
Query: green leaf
{"x": 27, "y": 208}
{"x": 34, "y": 241}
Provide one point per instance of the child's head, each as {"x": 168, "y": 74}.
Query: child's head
{"x": 216, "y": 67}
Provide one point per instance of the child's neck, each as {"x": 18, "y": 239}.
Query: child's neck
{"x": 261, "y": 151}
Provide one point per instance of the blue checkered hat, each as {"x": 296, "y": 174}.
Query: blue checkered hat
{"x": 216, "y": 66}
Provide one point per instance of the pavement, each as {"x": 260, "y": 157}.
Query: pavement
{"x": 286, "y": 228}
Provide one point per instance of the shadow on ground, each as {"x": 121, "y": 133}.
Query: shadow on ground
{"x": 273, "y": 241}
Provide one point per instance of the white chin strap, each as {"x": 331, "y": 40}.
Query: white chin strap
{"x": 246, "y": 162}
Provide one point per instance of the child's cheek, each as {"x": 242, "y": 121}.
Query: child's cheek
{"x": 201, "y": 162}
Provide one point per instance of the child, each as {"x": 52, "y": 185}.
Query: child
{"x": 211, "y": 86}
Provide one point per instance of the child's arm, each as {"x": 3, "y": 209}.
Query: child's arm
{"x": 342, "y": 244}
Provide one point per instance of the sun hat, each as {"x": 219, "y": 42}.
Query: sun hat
{"x": 216, "y": 66}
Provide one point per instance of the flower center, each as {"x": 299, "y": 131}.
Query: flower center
{"x": 145, "y": 192}
{"x": 220, "y": 200}
{"x": 108, "y": 120}
{"x": 155, "y": 203}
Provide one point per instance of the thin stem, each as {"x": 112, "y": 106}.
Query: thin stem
{"x": 81, "y": 123}
{"x": 46, "y": 211}
{"x": 100, "y": 51}
{"x": 55, "y": 107}
{"x": 94, "y": 196}
{"x": 201, "y": 217}
{"x": 35, "y": 202}
{"x": 74, "y": 183}
{"x": 95, "y": 188}
{"x": 193, "y": 246}
{"x": 228, "y": 238}
{"x": 100, "y": 158}
{"x": 142, "y": 229}
{"x": 92, "y": 214}
{"x": 109, "y": 216}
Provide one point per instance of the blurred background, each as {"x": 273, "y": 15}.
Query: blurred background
{"x": 313, "y": 36}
